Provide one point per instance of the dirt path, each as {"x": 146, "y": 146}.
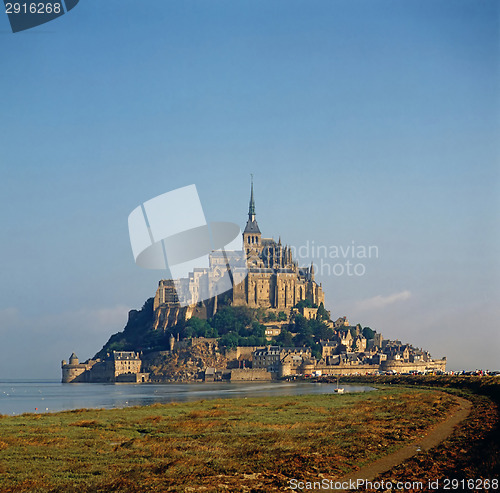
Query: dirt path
{"x": 434, "y": 436}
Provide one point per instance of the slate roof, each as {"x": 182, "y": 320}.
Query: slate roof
{"x": 252, "y": 227}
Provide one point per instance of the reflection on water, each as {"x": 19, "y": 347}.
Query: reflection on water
{"x": 18, "y": 397}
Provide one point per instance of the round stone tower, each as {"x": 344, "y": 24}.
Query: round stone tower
{"x": 284, "y": 370}
{"x": 73, "y": 371}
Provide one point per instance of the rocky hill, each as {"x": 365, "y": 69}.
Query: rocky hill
{"x": 184, "y": 364}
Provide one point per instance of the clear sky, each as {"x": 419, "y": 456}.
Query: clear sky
{"x": 367, "y": 121}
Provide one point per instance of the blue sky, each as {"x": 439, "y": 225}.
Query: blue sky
{"x": 370, "y": 121}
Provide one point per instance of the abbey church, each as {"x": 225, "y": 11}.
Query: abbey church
{"x": 274, "y": 281}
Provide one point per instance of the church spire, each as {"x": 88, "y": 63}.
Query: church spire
{"x": 252, "y": 226}
{"x": 251, "y": 207}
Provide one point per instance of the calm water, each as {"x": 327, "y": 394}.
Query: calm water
{"x": 18, "y": 397}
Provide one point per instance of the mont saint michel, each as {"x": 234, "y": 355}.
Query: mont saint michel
{"x": 271, "y": 324}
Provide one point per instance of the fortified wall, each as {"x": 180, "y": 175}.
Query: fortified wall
{"x": 250, "y": 374}
{"x": 119, "y": 366}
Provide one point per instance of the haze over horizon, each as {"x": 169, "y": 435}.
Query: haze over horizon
{"x": 365, "y": 123}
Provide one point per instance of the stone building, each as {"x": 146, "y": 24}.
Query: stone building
{"x": 74, "y": 371}
{"x": 268, "y": 358}
{"x": 329, "y": 348}
{"x": 280, "y": 360}
{"x": 345, "y": 339}
{"x": 272, "y": 330}
{"x": 118, "y": 366}
{"x": 271, "y": 279}
{"x": 359, "y": 343}
{"x": 125, "y": 363}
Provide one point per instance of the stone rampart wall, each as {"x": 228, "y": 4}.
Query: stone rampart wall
{"x": 250, "y": 374}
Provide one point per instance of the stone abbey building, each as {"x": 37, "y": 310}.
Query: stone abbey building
{"x": 263, "y": 275}
{"x": 272, "y": 280}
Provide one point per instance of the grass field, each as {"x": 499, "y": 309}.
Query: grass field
{"x": 473, "y": 451}
{"x": 215, "y": 445}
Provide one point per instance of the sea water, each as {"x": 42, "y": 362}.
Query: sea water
{"x": 40, "y": 396}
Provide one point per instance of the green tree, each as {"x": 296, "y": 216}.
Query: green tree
{"x": 197, "y": 327}
{"x": 304, "y": 304}
{"x": 229, "y": 340}
{"x": 300, "y": 324}
{"x": 117, "y": 346}
{"x": 188, "y": 332}
{"x": 224, "y": 321}
{"x": 322, "y": 313}
{"x": 320, "y": 330}
{"x": 258, "y": 330}
{"x": 368, "y": 333}
{"x": 303, "y": 339}
{"x": 211, "y": 332}
{"x": 282, "y": 316}
{"x": 285, "y": 339}
{"x": 154, "y": 339}
{"x": 244, "y": 315}
{"x": 316, "y": 350}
